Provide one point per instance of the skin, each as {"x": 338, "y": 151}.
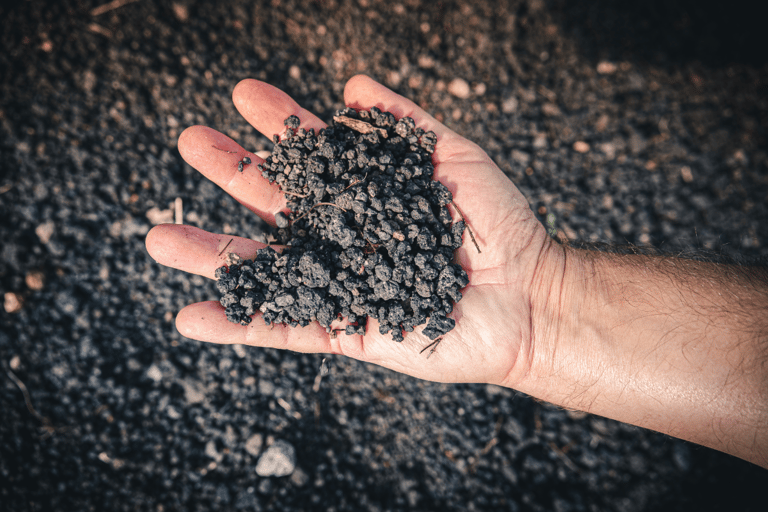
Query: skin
{"x": 624, "y": 337}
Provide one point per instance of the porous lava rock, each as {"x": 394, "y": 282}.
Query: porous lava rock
{"x": 368, "y": 232}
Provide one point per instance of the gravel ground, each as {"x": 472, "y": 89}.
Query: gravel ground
{"x": 642, "y": 124}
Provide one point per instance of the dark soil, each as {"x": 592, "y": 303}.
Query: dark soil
{"x": 368, "y": 232}
{"x": 644, "y": 123}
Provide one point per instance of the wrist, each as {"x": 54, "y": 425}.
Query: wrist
{"x": 575, "y": 323}
{"x": 547, "y": 294}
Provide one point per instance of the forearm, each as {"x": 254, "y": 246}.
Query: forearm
{"x": 673, "y": 345}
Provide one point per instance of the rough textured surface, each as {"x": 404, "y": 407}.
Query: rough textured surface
{"x": 368, "y": 232}
{"x": 667, "y": 95}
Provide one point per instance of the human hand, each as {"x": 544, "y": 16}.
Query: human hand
{"x": 492, "y": 339}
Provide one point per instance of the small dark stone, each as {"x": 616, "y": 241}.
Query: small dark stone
{"x": 438, "y": 325}
{"x": 292, "y": 122}
{"x": 386, "y": 290}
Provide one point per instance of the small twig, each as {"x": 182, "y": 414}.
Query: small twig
{"x": 356, "y": 182}
{"x": 294, "y": 194}
{"x": 224, "y": 150}
{"x": 111, "y": 6}
{"x": 178, "y": 211}
{"x": 330, "y": 204}
{"x": 225, "y": 247}
{"x": 27, "y": 399}
{"x": 495, "y": 439}
{"x": 488, "y": 446}
{"x": 98, "y": 29}
{"x": 433, "y": 346}
{"x": 567, "y": 460}
{"x": 471, "y": 235}
{"x": 373, "y": 247}
{"x": 360, "y": 126}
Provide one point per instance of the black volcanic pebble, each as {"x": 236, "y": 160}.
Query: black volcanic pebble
{"x": 369, "y": 233}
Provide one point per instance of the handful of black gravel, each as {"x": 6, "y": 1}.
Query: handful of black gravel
{"x": 369, "y": 233}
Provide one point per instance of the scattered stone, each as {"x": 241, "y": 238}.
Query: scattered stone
{"x": 253, "y": 444}
{"x": 266, "y": 388}
{"x": 551, "y": 110}
{"x": 426, "y": 62}
{"x": 157, "y": 216}
{"x": 521, "y": 157}
{"x": 212, "y": 452}
{"x": 299, "y": 478}
{"x": 460, "y": 88}
{"x": 686, "y": 174}
{"x": 12, "y": 302}
{"x": 580, "y": 146}
{"x": 239, "y": 350}
{"x": 602, "y": 123}
{"x": 193, "y": 392}
{"x": 494, "y": 390}
{"x": 278, "y": 460}
{"x": 606, "y": 68}
{"x": 281, "y": 220}
{"x": 45, "y": 231}
{"x": 180, "y": 11}
{"x": 35, "y": 280}
{"x": 609, "y": 149}
{"x": 509, "y": 105}
{"x": 154, "y": 373}
{"x": 540, "y": 141}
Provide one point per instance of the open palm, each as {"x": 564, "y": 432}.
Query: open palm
{"x": 493, "y": 320}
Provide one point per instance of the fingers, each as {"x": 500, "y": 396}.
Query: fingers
{"x": 266, "y": 107}
{"x": 217, "y": 157}
{"x": 206, "y": 321}
{"x": 193, "y": 250}
{"x": 362, "y": 92}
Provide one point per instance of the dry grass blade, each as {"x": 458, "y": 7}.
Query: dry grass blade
{"x": 360, "y": 126}
{"x": 111, "y": 6}
{"x": 27, "y": 399}
{"x": 471, "y": 235}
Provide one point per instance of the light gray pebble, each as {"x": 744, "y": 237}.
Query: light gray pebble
{"x": 278, "y": 460}
{"x": 253, "y": 444}
{"x": 281, "y": 220}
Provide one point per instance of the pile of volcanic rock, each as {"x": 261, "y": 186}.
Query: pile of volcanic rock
{"x": 368, "y": 232}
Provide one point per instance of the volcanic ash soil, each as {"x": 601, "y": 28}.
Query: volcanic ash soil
{"x": 368, "y": 233}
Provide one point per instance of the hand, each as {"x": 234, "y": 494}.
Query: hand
{"x": 492, "y": 339}
{"x": 672, "y": 345}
